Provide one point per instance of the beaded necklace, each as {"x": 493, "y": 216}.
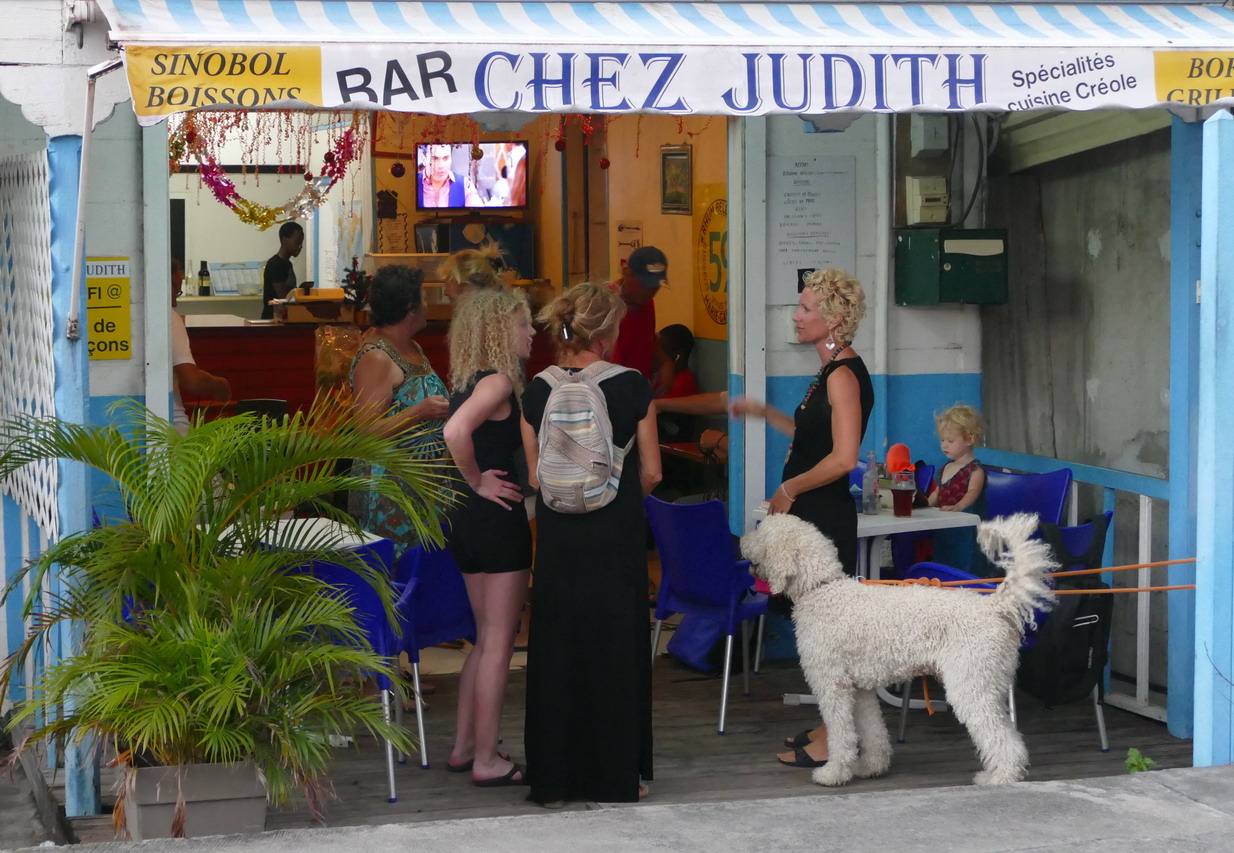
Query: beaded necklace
{"x": 818, "y": 378}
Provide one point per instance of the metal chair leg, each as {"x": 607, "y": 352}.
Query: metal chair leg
{"x": 905, "y": 700}
{"x": 398, "y": 721}
{"x": 1011, "y": 706}
{"x": 745, "y": 655}
{"x": 758, "y": 646}
{"x": 1105, "y": 741}
{"x": 728, "y": 662}
{"x": 415, "y": 683}
{"x": 655, "y": 640}
{"x": 385, "y": 712}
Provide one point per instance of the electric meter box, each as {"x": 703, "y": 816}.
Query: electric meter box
{"x": 937, "y": 265}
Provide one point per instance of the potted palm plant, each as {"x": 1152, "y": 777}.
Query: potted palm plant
{"x": 206, "y": 656}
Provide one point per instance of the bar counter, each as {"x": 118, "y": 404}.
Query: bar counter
{"x": 278, "y": 360}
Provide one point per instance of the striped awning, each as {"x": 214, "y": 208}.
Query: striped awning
{"x": 677, "y": 58}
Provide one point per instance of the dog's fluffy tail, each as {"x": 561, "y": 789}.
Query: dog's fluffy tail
{"x": 1008, "y": 543}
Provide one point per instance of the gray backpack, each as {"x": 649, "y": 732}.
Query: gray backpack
{"x": 579, "y": 467}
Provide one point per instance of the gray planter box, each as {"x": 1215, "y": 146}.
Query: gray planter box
{"x": 220, "y": 799}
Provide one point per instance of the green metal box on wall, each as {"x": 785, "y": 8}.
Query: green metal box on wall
{"x": 935, "y": 265}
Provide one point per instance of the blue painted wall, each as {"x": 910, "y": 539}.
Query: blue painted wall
{"x": 909, "y": 402}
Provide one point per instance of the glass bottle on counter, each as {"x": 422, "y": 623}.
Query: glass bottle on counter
{"x": 203, "y": 280}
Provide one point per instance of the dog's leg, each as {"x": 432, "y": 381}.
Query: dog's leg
{"x": 836, "y": 701}
{"x": 874, "y": 743}
{"x": 982, "y": 708}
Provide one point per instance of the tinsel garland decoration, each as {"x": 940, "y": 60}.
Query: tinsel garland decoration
{"x": 187, "y": 140}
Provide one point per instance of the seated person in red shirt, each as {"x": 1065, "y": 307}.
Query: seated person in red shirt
{"x": 637, "y": 347}
{"x": 677, "y": 342}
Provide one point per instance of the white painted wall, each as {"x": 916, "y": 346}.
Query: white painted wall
{"x": 943, "y": 339}
{"x": 340, "y": 228}
{"x": 114, "y": 229}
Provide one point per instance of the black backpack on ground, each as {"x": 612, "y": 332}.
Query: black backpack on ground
{"x": 1071, "y": 650}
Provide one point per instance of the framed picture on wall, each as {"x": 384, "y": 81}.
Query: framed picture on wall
{"x": 676, "y": 182}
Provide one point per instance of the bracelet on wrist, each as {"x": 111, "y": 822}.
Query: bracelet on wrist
{"x": 791, "y": 499}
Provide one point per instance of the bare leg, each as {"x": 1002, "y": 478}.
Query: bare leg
{"x": 464, "y": 729}
{"x": 501, "y": 602}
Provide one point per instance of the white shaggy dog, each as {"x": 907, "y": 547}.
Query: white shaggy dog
{"x": 854, "y": 638}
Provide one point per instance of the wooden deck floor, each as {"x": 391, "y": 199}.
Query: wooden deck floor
{"x": 693, "y": 764}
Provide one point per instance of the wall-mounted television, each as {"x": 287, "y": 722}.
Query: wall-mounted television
{"x": 447, "y": 176}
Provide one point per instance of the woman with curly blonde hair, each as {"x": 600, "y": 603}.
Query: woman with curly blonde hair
{"x": 588, "y": 724}
{"x": 826, "y": 430}
{"x": 489, "y": 537}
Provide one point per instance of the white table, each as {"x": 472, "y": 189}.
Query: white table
{"x": 872, "y": 530}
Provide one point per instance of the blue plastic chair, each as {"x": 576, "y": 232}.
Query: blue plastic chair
{"x": 1044, "y": 495}
{"x": 435, "y": 610}
{"x": 699, "y": 575}
{"x": 372, "y": 619}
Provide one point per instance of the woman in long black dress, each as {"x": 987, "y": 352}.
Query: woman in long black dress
{"x": 588, "y": 728}
{"x": 826, "y": 432}
{"x": 489, "y": 537}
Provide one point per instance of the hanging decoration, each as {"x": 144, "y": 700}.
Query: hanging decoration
{"x": 398, "y": 170}
{"x": 199, "y": 136}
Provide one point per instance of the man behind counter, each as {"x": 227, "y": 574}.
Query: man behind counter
{"x": 279, "y": 278}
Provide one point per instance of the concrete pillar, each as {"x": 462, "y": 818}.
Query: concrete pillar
{"x": 1214, "y": 649}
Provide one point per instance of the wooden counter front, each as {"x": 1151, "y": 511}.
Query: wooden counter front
{"x": 278, "y": 360}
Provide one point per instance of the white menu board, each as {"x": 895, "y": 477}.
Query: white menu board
{"x": 811, "y": 215}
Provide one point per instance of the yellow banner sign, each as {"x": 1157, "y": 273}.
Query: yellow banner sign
{"x": 167, "y": 80}
{"x": 1194, "y": 78}
{"x": 108, "y": 317}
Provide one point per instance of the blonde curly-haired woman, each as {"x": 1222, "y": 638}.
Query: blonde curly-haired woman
{"x": 489, "y": 537}
{"x": 826, "y": 430}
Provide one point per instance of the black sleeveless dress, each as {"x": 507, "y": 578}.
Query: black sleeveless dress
{"x": 830, "y": 508}
{"x": 484, "y": 537}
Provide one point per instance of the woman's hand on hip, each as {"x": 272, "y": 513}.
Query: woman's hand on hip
{"x": 492, "y": 487}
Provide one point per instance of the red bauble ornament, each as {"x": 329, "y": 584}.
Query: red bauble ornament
{"x": 604, "y": 164}
{"x": 190, "y": 137}
{"x": 308, "y": 176}
{"x": 398, "y": 170}
{"x": 560, "y": 145}
{"x": 328, "y": 157}
{"x": 477, "y": 153}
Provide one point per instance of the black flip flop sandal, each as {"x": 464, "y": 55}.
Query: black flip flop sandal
{"x": 466, "y": 766}
{"x": 802, "y": 738}
{"x": 801, "y": 758}
{"x": 505, "y": 781}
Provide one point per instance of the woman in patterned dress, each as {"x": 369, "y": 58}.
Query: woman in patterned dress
{"x": 390, "y": 374}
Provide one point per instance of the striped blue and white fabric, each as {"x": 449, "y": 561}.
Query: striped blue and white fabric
{"x": 670, "y": 58}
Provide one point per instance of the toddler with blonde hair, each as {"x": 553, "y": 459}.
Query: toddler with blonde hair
{"x": 962, "y": 478}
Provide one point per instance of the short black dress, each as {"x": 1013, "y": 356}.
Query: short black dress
{"x": 588, "y": 727}
{"x": 484, "y": 537}
{"x": 830, "y": 508}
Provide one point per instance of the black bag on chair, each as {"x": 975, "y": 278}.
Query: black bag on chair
{"x": 1072, "y": 646}
{"x": 1069, "y": 658}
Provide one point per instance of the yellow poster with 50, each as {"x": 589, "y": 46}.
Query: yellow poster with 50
{"x": 710, "y": 262}
{"x": 166, "y": 80}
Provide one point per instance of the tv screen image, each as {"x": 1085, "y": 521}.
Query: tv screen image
{"x": 448, "y": 177}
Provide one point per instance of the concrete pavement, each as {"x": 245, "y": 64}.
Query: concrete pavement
{"x": 1169, "y": 810}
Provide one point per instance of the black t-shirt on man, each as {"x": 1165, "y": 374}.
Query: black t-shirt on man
{"x": 278, "y": 270}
